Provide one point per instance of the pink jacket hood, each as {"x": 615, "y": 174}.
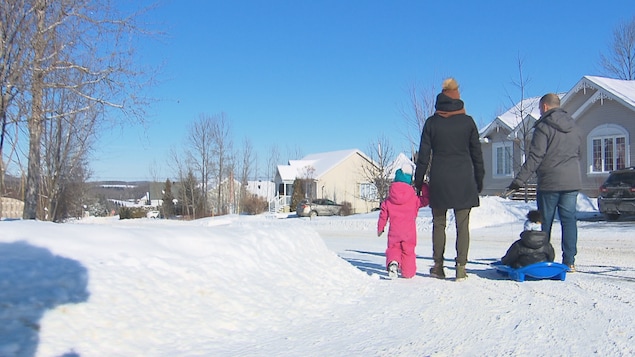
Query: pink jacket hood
{"x": 401, "y": 207}
{"x": 400, "y": 193}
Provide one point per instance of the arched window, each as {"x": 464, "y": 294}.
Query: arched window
{"x": 607, "y": 148}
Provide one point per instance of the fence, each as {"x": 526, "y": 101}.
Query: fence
{"x": 12, "y": 208}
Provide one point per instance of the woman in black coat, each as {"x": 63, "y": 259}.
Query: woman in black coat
{"x": 451, "y": 150}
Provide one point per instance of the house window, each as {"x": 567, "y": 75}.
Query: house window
{"x": 502, "y": 159}
{"x": 608, "y": 148}
{"x": 368, "y": 192}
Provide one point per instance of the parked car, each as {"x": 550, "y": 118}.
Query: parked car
{"x": 617, "y": 194}
{"x": 318, "y": 207}
{"x": 153, "y": 214}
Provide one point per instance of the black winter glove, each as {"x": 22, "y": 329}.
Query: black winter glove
{"x": 479, "y": 185}
{"x": 513, "y": 186}
{"x": 510, "y": 189}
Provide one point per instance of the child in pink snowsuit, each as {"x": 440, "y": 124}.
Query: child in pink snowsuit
{"x": 401, "y": 207}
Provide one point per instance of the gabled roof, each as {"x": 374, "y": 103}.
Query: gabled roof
{"x": 399, "y": 162}
{"x": 321, "y": 163}
{"x": 510, "y": 119}
{"x": 620, "y": 90}
{"x": 528, "y": 106}
{"x": 489, "y": 128}
{"x": 288, "y": 172}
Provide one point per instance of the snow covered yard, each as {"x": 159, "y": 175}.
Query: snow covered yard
{"x": 260, "y": 286}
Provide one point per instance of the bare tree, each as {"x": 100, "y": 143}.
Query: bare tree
{"x": 232, "y": 204}
{"x": 37, "y": 112}
{"x": 307, "y": 174}
{"x": 223, "y": 152}
{"x": 188, "y": 195}
{"x": 419, "y": 108}
{"x": 521, "y": 108}
{"x": 13, "y": 67}
{"x": 381, "y": 153}
{"x": 154, "y": 171}
{"x": 294, "y": 153}
{"x": 63, "y": 41}
{"x": 181, "y": 169}
{"x": 619, "y": 62}
{"x": 66, "y": 141}
{"x": 272, "y": 161}
{"x": 191, "y": 196}
{"x": 246, "y": 167}
{"x": 210, "y": 155}
{"x": 201, "y": 138}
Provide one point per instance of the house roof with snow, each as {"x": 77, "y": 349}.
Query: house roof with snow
{"x": 514, "y": 116}
{"x": 516, "y": 113}
{"x": 318, "y": 164}
{"x": 522, "y": 112}
{"x": 400, "y": 161}
{"x": 620, "y": 90}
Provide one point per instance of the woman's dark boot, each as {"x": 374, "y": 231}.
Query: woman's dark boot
{"x": 437, "y": 271}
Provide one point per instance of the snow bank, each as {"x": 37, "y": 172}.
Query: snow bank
{"x": 153, "y": 282}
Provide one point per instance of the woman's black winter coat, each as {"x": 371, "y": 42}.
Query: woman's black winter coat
{"x": 452, "y": 150}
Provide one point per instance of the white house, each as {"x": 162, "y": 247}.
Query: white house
{"x": 264, "y": 189}
{"x": 337, "y": 175}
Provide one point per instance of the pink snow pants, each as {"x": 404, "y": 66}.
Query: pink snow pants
{"x": 402, "y": 252}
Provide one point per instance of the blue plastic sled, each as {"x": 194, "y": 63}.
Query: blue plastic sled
{"x": 537, "y": 271}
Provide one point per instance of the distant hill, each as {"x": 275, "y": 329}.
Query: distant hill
{"x": 119, "y": 190}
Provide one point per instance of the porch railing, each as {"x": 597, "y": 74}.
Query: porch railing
{"x": 278, "y": 203}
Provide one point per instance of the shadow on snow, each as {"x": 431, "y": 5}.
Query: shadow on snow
{"x": 379, "y": 269}
{"x": 600, "y": 271}
{"x": 32, "y": 281}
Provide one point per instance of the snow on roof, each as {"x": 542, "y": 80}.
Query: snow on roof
{"x": 323, "y": 162}
{"x": 399, "y": 162}
{"x": 287, "y": 172}
{"x": 514, "y": 116}
{"x": 320, "y": 163}
{"x": 301, "y": 163}
{"x": 621, "y": 89}
{"x": 527, "y": 106}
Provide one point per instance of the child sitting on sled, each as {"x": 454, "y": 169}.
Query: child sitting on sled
{"x": 533, "y": 245}
{"x": 401, "y": 207}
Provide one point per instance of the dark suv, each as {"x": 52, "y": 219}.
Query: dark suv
{"x": 617, "y": 194}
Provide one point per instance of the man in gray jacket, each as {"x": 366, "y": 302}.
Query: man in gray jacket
{"x": 554, "y": 155}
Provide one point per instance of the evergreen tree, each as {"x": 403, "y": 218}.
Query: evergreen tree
{"x": 168, "y": 200}
{"x": 299, "y": 192}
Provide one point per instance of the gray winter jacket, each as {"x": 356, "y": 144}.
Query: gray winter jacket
{"x": 554, "y": 153}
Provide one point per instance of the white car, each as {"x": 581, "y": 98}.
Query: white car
{"x": 153, "y": 214}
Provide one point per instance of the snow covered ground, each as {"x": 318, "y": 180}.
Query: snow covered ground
{"x": 262, "y": 286}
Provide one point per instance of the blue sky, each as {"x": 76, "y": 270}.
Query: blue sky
{"x": 318, "y": 76}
